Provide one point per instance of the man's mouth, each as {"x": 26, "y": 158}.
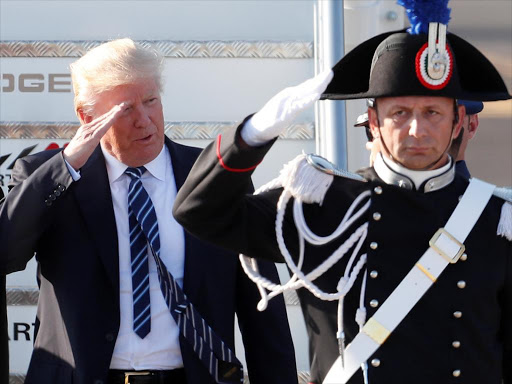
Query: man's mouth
{"x": 145, "y": 138}
{"x": 418, "y": 149}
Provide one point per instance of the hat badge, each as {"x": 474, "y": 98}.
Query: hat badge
{"x": 434, "y": 60}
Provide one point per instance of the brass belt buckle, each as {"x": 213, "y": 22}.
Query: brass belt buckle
{"x": 128, "y": 374}
{"x": 450, "y": 259}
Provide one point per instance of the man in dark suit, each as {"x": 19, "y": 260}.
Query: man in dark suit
{"x": 74, "y": 210}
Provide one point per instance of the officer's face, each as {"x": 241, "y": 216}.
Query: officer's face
{"x": 137, "y": 137}
{"x": 416, "y": 131}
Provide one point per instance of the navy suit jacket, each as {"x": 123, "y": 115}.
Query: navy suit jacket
{"x": 71, "y": 228}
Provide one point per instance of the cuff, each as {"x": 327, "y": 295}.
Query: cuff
{"x": 74, "y": 174}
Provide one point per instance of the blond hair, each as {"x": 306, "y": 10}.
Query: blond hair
{"x": 111, "y": 64}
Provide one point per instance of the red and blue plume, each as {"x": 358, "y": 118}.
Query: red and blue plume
{"x": 422, "y": 12}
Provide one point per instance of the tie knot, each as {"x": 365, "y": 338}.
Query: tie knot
{"x": 135, "y": 173}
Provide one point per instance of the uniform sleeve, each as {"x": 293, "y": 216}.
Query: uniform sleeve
{"x": 37, "y": 183}
{"x": 214, "y": 206}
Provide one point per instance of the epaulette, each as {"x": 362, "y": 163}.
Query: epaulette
{"x": 504, "y": 193}
{"x": 307, "y": 178}
{"x": 324, "y": 165}
{"x": 505, "y": 224}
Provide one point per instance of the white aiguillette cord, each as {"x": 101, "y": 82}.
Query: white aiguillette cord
{"x": 446, "y": 246}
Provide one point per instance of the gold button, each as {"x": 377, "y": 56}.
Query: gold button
{"x": 457, "y": 314}
{"x": 377, "y": 190}
{"x": 461, "y": 284}
{"x": 375, "y": 362}
{"x": 456, "y": 344}
{"x": 464, "y": 257}
{"x": 456, "y": 373}
{"x": 374, "y": 274}
{"x": 374, "y": 245}
{"x": 374, "y": 303}
{"x": 377, "y": 216}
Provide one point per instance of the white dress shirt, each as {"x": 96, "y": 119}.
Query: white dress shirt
{"x": 160, "y": 349}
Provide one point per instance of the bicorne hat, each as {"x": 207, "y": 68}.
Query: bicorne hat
{"x": 423, "y": 60}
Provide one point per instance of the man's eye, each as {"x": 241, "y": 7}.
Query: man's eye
{"x": 399, "y": 113}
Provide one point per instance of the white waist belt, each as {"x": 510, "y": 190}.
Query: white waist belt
{"x": 446, "y": 247}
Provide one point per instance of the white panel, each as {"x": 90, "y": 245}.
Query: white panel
{"x": 227, "y": 89}
{"x": 367, "y": 18}
{"x": 183, "y": 20}
{"x": 194, "y": 90}
{"x": 21, "y": 333}
{"x": 24, "y": 279}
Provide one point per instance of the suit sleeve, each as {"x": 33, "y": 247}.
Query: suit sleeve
{"x": 37, "y": 183}
{"x": 269, "y": 350}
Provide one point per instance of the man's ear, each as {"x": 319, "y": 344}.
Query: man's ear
{"x": 461, "y": 110}
{"x": 84, "y": 118}
{"x": 472, "y": 126}
{"x": 374, "y": 122}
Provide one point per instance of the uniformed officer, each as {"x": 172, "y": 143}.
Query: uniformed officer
{"x": 406, "y": 270}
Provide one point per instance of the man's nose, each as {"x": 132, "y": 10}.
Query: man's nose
{"x": 417, "y": 127}
{"x": 141, "y": 117}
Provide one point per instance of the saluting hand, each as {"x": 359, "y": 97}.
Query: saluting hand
{"x": 281, "y": 109}
{"x": 88, "y": 137}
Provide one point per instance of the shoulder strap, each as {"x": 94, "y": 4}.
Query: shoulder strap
{"x": 446, "y": 247}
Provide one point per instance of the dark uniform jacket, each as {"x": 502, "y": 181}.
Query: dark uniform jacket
{"x": 71, "y": 226}
{"x": 423, "y": 349}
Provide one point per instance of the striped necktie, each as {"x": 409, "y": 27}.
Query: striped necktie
{"x": 218, "y": 358}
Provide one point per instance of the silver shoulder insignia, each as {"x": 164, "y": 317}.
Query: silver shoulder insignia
{"x": 324, "y": 165}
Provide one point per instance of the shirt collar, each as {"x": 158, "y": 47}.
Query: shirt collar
{"x": 426, "y": 181}
{"x": 115, "y": 168}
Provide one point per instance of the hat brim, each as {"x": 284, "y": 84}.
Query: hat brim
{"x": 394, "y": 74}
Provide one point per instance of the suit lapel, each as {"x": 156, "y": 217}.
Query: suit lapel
{"x": 93, "y": 194}
{"x": 183, "y": 159}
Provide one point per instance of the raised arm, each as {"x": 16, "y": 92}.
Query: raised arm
{"x": 37, "y": 184}
{"x": 213, "y": 205}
